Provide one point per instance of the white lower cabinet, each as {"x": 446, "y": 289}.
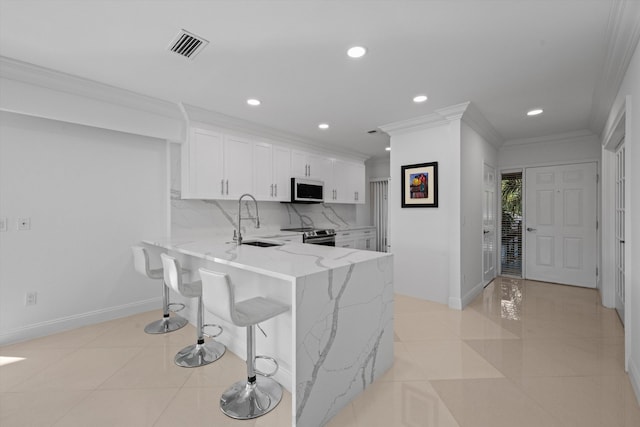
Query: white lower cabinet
{"x": 363, "y": 239}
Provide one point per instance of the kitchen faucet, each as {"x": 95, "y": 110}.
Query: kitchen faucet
{"x": 238, "y": 236}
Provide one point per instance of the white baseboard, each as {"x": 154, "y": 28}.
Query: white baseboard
{"x": 634, "y": 377}
{"x": 460, "y": 303}
{"x": 77, "y": 320}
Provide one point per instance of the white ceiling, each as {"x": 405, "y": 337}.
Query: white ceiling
{"x": 505, "y": 56}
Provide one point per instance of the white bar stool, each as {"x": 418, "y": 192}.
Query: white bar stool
{"x": 258, "y": 394}
{"x": 200, "y": 353}
{"x": 166, "y": 324}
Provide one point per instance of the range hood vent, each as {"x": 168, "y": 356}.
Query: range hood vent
{"x": 187, "y": 44}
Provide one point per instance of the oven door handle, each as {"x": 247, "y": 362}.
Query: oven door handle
{"x": 315, "y": 240}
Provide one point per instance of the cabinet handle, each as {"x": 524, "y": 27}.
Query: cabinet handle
{"x": 271, "y": 190}
{"x": 276, "y": 189}
{"x": 309, "y": 170}
{"x": 222, "y": 186}
{"x": 227, "y": 187}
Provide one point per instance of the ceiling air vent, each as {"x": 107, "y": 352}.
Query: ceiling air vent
{"x": 187, "y": 44}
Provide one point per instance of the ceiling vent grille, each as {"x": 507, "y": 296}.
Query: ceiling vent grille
{"x": 187, "y": 44}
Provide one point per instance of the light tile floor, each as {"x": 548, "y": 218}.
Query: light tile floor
{"x": 522, "y": 354}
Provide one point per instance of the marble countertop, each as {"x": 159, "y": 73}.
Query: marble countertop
{"x": 356, "y": 228}
{"x": 289, "y": 261}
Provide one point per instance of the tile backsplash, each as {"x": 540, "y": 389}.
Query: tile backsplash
{"x": 219, "y": 217}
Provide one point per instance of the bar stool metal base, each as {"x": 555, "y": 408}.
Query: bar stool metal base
{"x": 165, "y": 325}
{"x": 200, "y": 354}
{"x": 245, "y": 400}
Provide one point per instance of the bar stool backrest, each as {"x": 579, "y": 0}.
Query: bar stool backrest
{"x": 172, "y": 273}
{"x": 218, "y": 295}
{"x": 141, "y": 260}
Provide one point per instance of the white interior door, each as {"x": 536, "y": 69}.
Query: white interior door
{"x": 619, "y": 230}
{"x": 489, "y": 225}
{"x": 560, "y": 218}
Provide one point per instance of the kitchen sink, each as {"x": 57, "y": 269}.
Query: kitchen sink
{"x": 261, "y": 243}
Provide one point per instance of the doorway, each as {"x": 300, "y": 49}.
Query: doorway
{"x": 511, "y": 224}
{"x": 620, "y": 230}
{"x": 561, "y": 224}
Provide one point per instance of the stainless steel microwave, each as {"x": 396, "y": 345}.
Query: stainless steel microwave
{"x": 306, "y": 191}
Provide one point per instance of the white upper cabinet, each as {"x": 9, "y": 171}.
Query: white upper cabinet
{"x": 216, "y": 166}
{"x": 263, "y": 171}
{"x": 238, "y": 166}
{"x": 272, "y": 172}
{"x": 312, "y": 166}
{"x": 348, "y": 183}
{"x": 203, "y": 165}
{"x": 281, "y": 173}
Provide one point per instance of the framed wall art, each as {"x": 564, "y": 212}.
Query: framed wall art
{"x": 420, "y": 185}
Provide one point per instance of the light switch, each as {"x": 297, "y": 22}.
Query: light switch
{"x": 24, "y": 224}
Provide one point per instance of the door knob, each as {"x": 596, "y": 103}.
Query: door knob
{"x": 531, "y": 229}
{"x": 485, "y": 231}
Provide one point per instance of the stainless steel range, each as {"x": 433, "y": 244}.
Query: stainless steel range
{"x": 315, "y": 236}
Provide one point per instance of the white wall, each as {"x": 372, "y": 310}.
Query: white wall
{"x": 426, "y": 241}
{"x": 475, "y": 152}
{"x": 630, "y": 92}
{"x": 556, "y": 149}
{"x": 90, "y": 194}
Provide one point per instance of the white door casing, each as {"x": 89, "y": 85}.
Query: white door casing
{"x": 489, "y": 225}
{"x": 619, "y": 219}
{"x": 561, "y": 221}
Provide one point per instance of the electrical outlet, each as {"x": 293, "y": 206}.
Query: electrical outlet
{"x": 3, "y": 224}
{"x": 24, "y": 224}
{"x": 31, "y": 298}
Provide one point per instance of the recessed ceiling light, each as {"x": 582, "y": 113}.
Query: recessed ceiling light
{"x": 356, "y": 52}
{"x": 388, "y": 148}
{"x": 420, "y": 98}
{"x": 534, "y": 112}
{"x": 253, "y": 102}
{"x": 323, "y": 126}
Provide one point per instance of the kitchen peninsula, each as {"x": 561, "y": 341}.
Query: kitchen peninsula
{"x": 338, "y": 336}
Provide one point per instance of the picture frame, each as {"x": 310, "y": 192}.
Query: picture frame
{"x": 419, "y": 185}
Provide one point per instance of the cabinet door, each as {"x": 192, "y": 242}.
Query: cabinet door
{"x": 348, "y": 178}
{"x": 263, "y": 185}
{"x": 299, "y": 164}
{"x": 321, "y": 169}
{"x": 205, "y": 165}
{"x": 342, "y": 189}
{"x": 357, "y": 181}
{"x": 238, "y": 166}
{"x": 282, "y": 173}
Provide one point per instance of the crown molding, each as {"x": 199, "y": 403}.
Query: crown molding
{"x": 615, "y": 130}
{"x": 46, "y": 78}
{"x": 439, "y": 117}
{"x": 623, "y": 33}
{"x": 51, "y": 79}
{"x": 194, "y": 115}
{"x": 476, "y": 120}
{"x": 556, "y": 138}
